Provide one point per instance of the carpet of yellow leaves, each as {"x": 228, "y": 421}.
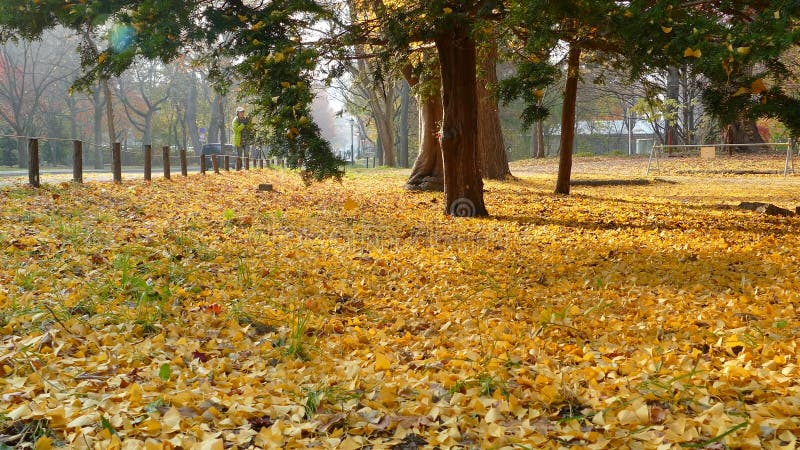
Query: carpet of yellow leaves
{"x": 201, "y": 313}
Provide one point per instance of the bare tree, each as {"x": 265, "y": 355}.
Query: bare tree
{"x": 381, "y": 91}
{"x": 142, "y": 93}
{"x": 28, "y": 73}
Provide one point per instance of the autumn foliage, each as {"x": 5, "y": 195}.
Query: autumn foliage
{"x": 201, "y": 313}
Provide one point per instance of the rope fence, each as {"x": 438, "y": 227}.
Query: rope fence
{"x": 709, "y": 151}
{"x": 119, "y": 158}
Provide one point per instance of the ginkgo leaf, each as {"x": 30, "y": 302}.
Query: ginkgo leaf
{"x": 382, "y": 362}
{"x": 83, "y": 421}
{"x": 212, "y": 444}
{"x": 43, "y": 443}
{"x": 692, "y": 53}
{"x": 350, "y": 205}
{"x": 666, "y": 30}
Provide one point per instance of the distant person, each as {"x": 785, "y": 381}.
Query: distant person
{"x": 242, "y": 129}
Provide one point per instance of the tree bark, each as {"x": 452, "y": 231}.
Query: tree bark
{"x": 540, "y": 146}
{"x": 97, "y": 104}
{"x": 381, "y": 103}
{"x": 223, "y": 124}
{"x": 568, "y": 120}
{"x": 191, "y": 113}
{"x": 463, "y": 186}
{"x": 107, "y": 93}
{"x": 22, "y": 150}
{"x": 428, "y": 171}
{"x": 688, "y": 87}
{"x": 109, "y": 112}
{"x": 743, "y": 131}
{"x": 537, "y": 140}
{"x": 494, "y": 162}
{"x": 673, "y": 98}
{"x": 405, "y": 100}
{"x": 148, "y": 128}
{"x": 386, "y": 128}
{"x": 216, "y": 125}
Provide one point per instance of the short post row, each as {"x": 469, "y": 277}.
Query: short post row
{"x": 116, "y": 162}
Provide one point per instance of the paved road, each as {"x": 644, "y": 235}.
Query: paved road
{"x": 16, "y": 176}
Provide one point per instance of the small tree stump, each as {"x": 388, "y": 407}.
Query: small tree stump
{"x": 265, "y": 187}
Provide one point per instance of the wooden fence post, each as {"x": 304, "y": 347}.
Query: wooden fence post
{"x": 77, "y": 161}
{"x": 202, "y": 164}
{"x": 184, "y": 168}
{"x": 227, "y": 163}
{"x": 165, "y": 152}
{"x": 116, "y": 162}
{"x": 33, "y": 162}
{"x": 148, "y": 162}
{"x": 238, "y": 163}
{"x": 246, "y": 163}
{"x": 215, "y": 163}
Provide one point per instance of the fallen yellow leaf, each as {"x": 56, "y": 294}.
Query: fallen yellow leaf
{"x": 43, "y": 443}
{"x": 382, "y": 362}
{"x": 350, "y": 205}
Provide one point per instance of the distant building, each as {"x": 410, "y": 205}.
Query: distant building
{"x": 606, "y": 136}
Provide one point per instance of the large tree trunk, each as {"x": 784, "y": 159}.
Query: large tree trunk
{"x": 223, "y": 124}
{"x": 216, "y": 123}
{"x": 673, "y": 97}
{"x": 688, "y": 87}
{"x": 147, "y": 135}
{"x": 112, "y": 135}
{"x": 537, "y": 140}
{"x": 381, "y": 102}
{"x": 428, "y": 171}
{"x": 190, "y": 118}
{"x": 405, "y": 100}
{"x": 494, "y": 162}
{"x": 463, "y": 186}
{"x": 568, "y": 120}
{"x": 541, "y": 147}
{"x": 386, "y": 131}
{"x": 743, "y": 131}
{"x": 22, "y": 149}
{"x": 97, "y": 104}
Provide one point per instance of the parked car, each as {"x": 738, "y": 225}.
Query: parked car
{"x": 217, "y": 149}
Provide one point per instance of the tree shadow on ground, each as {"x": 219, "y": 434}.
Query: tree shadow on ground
{"x": 674, "y": 205}
{"x": 621, "y": 182}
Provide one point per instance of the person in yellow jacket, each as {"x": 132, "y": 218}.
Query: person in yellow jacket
{"x": 242, "y": 129}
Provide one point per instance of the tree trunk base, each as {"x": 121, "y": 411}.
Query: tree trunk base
{"x": 743, "y": 132}
{"x": 427, "y": 184}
